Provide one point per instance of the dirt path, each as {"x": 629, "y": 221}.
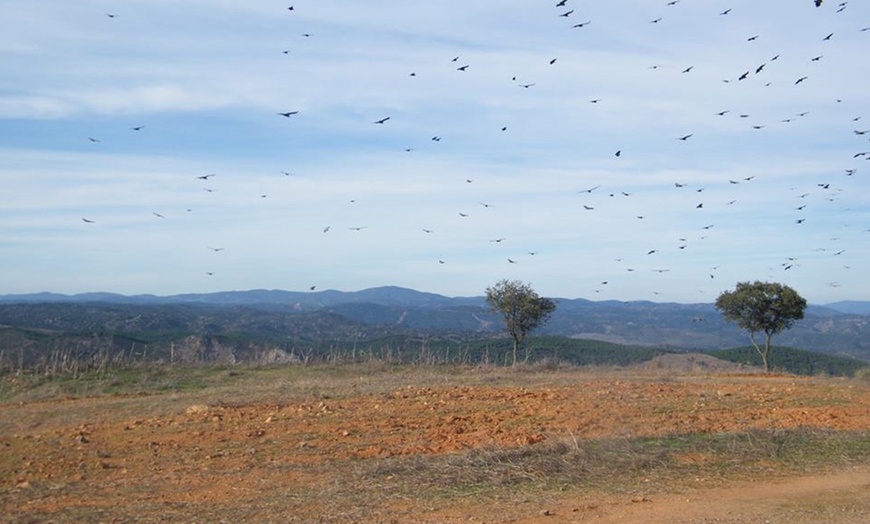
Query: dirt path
{"x": 842, "y": 498}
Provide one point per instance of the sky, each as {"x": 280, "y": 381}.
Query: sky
{"x": 608, "y": 150}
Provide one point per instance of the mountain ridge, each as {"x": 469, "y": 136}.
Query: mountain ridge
{"x": 337, "y": 314}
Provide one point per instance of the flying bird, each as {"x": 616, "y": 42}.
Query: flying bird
{"x": 87, "y": 221}
{"x": 567, "y": 14}
{"x": 138, "y": 128}
{"x": 381, "y": 121}
{"x": 288, "y": 114}
{"x": 685, "y": 137}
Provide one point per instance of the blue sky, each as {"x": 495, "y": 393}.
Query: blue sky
{"x": 106, "y": 123}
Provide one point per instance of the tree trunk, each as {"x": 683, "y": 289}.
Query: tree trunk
{"x": 516, "y": 345}
{"x": 766, "y": 355}
{"x": 762, "y": 352}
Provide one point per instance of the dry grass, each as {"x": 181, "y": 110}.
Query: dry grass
{"x": 621, "y": 465}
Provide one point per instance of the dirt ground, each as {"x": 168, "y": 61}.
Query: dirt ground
{"x": 279, "y": 448}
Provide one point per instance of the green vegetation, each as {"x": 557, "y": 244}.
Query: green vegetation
{"x": 797, "y": 361}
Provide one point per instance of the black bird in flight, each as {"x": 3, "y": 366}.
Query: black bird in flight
{"x": 828, "y": 37}
{"x": 288, "y": 114}
{"x": 462, "y": 68}
{"x": 686, "y": 137}
{"x": 582, "y": 24}
{"x": 567, "y": 14}
{"x": 138, "y": 128}
{"x": 799, "y": 80}
{"x": 562, "y": 3}
{"x": 818, "y": 2}
{"x": 205, "y": 177}
{"x": 85, "y": 220}
{"x": 686, "y": 70}
{"x": 381, "y": 121}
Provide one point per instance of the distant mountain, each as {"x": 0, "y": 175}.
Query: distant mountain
{"x": 338, "y": 315}
{"x": 854, "y": 307}
{"x": 387, "y": 296}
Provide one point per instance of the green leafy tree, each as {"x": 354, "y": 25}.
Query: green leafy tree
{"x": 522, "y": 309}
{"x": 762, "y": 307}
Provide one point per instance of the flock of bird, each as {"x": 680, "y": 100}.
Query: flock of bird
{"x": 593, "y": 199}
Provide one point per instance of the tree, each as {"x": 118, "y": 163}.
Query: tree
{"x": 523, "y": 310}
{"x": 765, "y": 307}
